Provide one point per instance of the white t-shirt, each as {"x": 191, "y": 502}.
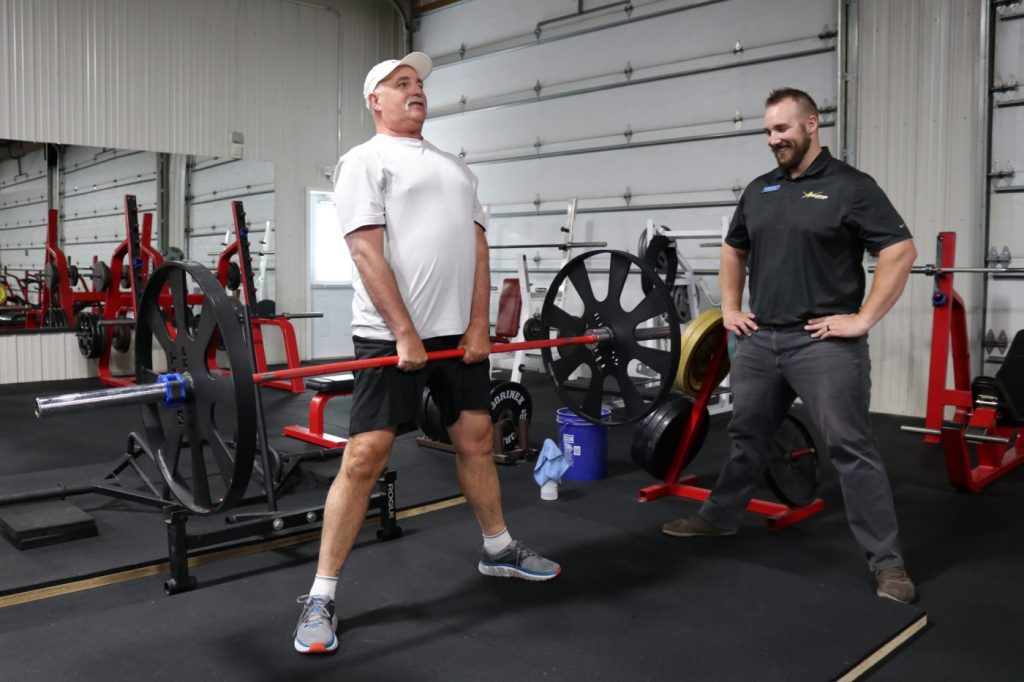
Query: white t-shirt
{"x": 426, "y": 199}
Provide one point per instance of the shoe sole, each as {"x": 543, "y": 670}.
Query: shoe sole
{"x": 885, "y": 595}
{"x": 318, "y": 647}
{"x": 501, "y": 571}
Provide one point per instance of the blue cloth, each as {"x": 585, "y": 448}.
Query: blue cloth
{"x": 551, "y": 463}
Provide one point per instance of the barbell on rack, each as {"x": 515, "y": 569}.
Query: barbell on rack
{"x": 200, "y": 417}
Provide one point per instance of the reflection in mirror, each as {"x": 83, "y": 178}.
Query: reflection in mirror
{"x": 63, "y": 223}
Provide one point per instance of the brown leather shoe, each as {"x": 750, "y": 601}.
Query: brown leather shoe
{"x": 692, "y": 526}
{"x": 895, "y": 584}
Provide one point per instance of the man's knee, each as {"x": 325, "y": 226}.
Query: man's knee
{"x": 366, "y": 455}
{"x": 472, "y": 433}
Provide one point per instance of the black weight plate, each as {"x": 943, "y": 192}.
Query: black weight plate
{"x": 266, "y": 307}
{"x": 510, "y": 402}
{"x": 533, "y": 330}
{"x": 234, "y": 276}
{"x": 73, "y": 275}
{"x": 90, "y": 335}
{"x": 794, "y": 470}
{"x": 206, "y": 447}
{"x": 431, "y": 423}
{"x": 122, "y": 340}
{"x": 608, "y": 362}
{"x": 172, "y": 253}
{"x": 55, "y": 317}
{"x": 658, "y": 436}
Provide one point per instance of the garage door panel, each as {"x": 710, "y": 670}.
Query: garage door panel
{"x": 700, "y": 104}
{"x": 642, "y": 44}
{"x": 706, "y": 170}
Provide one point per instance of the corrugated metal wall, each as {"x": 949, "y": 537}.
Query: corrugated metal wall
{"x": 919, "y": 133}
{"x": 181, "y": 76}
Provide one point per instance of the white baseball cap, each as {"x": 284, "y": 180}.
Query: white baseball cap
{"x": 422, "y": 64}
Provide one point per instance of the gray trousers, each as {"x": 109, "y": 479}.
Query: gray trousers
{"x": 833, "y": 379}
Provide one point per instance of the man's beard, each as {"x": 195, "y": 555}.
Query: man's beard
{"x": 798, "y": 150}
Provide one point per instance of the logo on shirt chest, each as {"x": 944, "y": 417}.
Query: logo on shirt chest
{"x": 814, "y": 195}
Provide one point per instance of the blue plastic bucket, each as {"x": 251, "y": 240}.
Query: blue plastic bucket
{"x": 584, "y": 445}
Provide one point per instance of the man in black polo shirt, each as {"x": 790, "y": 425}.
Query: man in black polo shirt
{"x": 801, "y": 231}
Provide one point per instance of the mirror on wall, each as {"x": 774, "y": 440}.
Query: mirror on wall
{"x": 188, "y": 198}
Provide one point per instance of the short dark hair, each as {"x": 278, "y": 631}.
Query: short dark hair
{"x": 805, "y": 101}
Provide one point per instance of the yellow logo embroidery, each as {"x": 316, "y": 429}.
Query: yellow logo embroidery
{"x": 814, "y": 195}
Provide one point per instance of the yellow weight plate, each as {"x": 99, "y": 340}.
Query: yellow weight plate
{"x": 699, "y": 341}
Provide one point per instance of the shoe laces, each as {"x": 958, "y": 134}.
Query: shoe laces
{"x": 524, "y": 552}
{"x": 316, "y": 608}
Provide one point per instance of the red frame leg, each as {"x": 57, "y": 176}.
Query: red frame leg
{"x": 778, "y": 515}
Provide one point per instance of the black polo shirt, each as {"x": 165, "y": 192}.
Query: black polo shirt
{"x": 806, "y": 238}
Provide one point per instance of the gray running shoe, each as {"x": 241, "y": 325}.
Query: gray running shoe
{"x": 517, "y": 561}
{"x": 315, "y": 632}
{"x": 692, "y": 526}
{"x": 895, "y": 584}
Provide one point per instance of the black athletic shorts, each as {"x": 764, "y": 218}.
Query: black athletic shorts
{"x": 387, "y": 396}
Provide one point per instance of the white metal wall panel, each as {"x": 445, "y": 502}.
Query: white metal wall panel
{"x": 650, "y": 111}
{"x": 93, "y": 186}
{"x": 181, "y": 76}
{"x": 215, "y": 183}
{"x": 1005, "y": 305}
{"x": 918, "y": 135}
{"x": 23, "y": 211}
{"x": 476, "y": 23}
{"x": 650, "y": 47}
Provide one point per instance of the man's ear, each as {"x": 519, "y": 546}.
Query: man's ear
{"x": 812, "y": 123}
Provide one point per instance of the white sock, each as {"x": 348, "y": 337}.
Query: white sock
{"x": 324, "y": 586}
{"x": 496, "y": 544}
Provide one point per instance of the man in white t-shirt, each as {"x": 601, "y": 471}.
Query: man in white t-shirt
{"x": 414, "y": 227}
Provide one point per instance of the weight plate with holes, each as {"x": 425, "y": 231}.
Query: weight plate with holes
{"x": 533, "y": 330}
{"x": 234, "y": 276}
{"x": 55, "y": 317}
{"x": 700, "y": 339}
{"x": 122, "y": 337}
{"x": 204, "y": 448}
{"x": 608, "y": 364}
{"x": 100, "y": 276}
{"x": 90, "y": 335}
{"x": 659, "y": 434}
{"x": 431, "y": 422}
{"x": 510, "y": 402}
{"x": 794, "y": 470}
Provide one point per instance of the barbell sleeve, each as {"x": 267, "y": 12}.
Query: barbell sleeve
{"x": 921, "y": 429}
{"x": 982, "y": 438}
{"x": 124, "y": 395}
